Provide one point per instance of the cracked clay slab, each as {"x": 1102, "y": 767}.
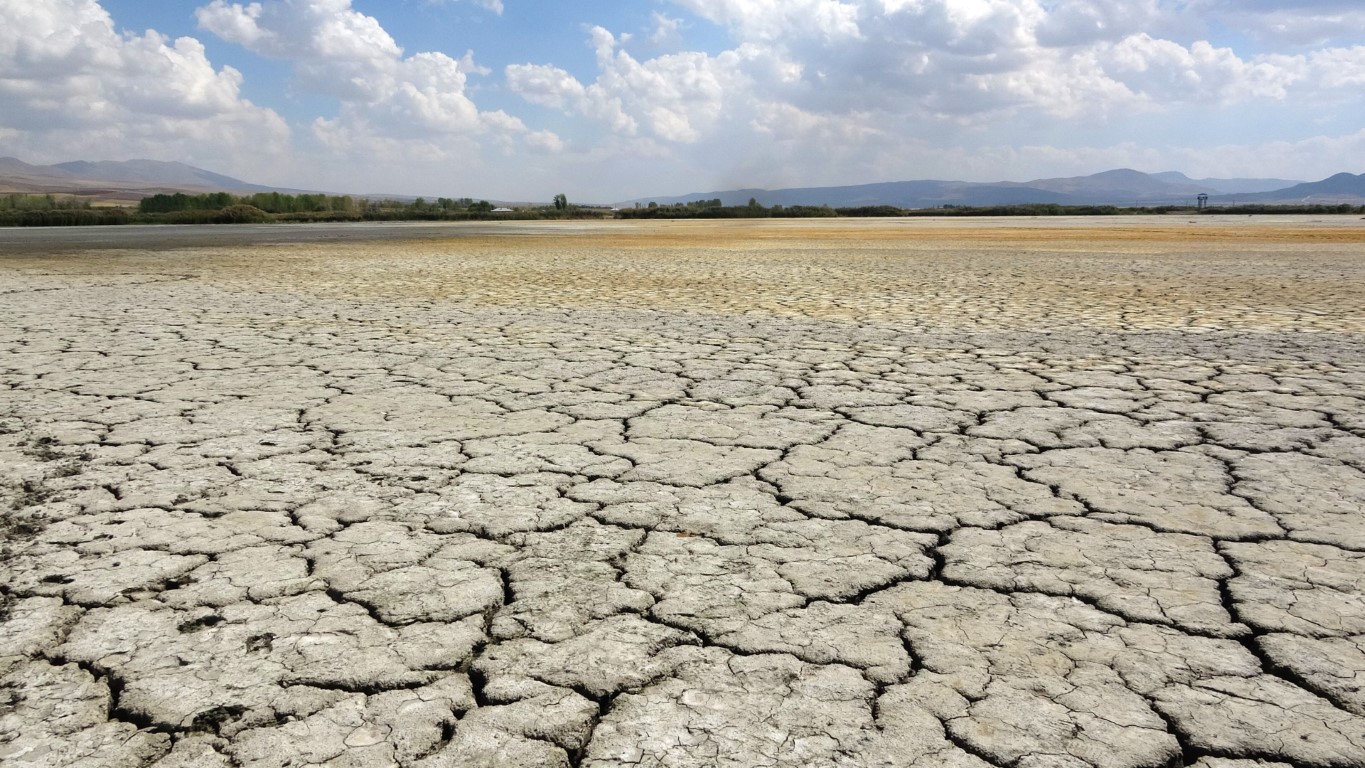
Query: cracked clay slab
{"x": 922, "y": 493}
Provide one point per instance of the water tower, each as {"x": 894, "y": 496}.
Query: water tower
{"x": 1203, "y": 201}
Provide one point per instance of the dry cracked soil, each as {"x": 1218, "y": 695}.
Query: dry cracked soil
{"x": 959, "y": 494}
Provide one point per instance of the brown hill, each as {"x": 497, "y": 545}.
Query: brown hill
{"x": 116, "y": 182}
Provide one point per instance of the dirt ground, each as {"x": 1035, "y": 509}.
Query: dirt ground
{"x": 1027, "y": 493}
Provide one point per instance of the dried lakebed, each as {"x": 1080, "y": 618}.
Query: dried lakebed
{"x": 932, "y": 493}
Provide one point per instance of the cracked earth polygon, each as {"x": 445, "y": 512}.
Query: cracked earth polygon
{"x": 1021, "y": 493}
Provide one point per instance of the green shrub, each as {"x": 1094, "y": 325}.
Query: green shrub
{"x": 240, "y": 214}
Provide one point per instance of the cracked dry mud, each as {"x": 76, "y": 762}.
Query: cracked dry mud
{"x": 1029, "y": 494}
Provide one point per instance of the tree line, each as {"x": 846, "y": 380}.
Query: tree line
{"x": 222, "y": 207}
{"x": 226, "y": 208}
{"x": 19, "y": 210}
{"x": 267, "y": 202}
{"x": 20, "y": 202}
{"x": 260, "y": 207}
{"x": 307, "y": 203}
{"x": 714, "y": 209}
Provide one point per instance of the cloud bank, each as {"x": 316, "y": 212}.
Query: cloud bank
{"x": 388, "y": 100}
{"x": 72, "y": 86}
{"x": 709, "y": 93}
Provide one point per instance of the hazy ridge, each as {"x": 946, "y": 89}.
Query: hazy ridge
{"x": 129, "y": 180}
{"x": 1120, "y": 187}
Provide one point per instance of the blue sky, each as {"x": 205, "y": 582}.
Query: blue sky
{"x": 610, "y": 100}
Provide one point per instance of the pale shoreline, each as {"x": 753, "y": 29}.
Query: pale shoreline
{"x": 185, "y": 235}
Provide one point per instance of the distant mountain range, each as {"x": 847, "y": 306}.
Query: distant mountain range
{"x": 117, "y": 181}
{"x": 1341, "y": 188}
{"x": 1123, "y": 187}
{"x": 130, "y": 180}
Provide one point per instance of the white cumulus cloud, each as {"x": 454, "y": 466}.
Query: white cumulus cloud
{"x": 980, "y": 61}
{"x": 676, "y": 97}
{"x": 700, "y": 92}
{"x": 71, "y": 85}
{"x": 814, "y": 91}
{"x": 386, "y": 97}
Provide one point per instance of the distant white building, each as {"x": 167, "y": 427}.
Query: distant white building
{"x": 503, "y": 210}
